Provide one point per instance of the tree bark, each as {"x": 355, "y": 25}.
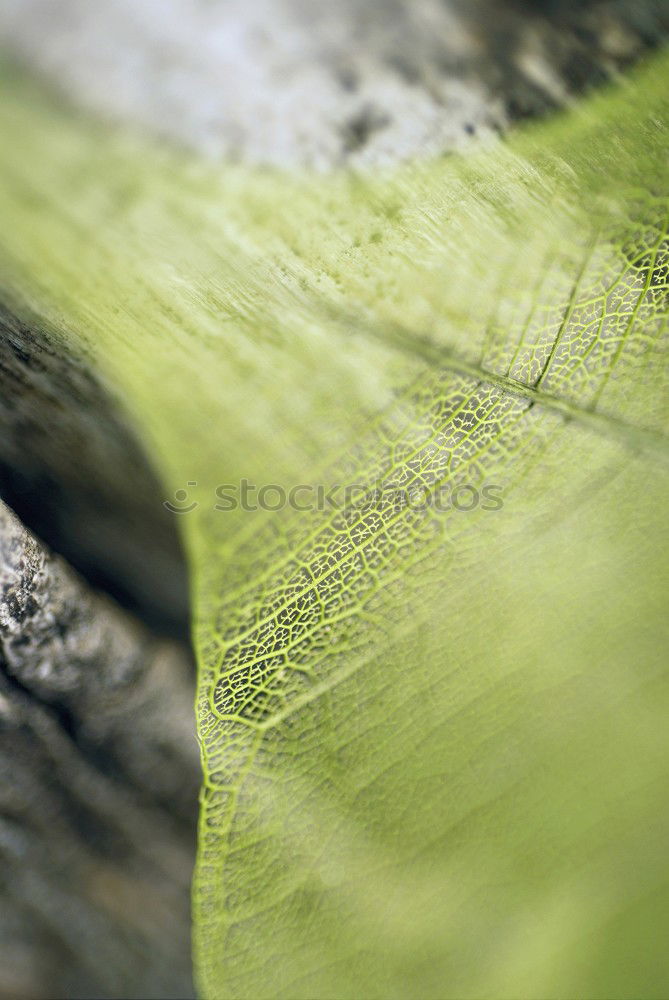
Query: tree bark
{"x": 98, "y": 798}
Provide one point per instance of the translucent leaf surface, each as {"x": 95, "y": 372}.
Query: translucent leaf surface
{"x": 435, "y": 740}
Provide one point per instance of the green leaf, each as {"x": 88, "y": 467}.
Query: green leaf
{"x": 435, "y": 742}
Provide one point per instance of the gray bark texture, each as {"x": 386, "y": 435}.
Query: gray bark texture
{"x": 97, "y": 749}
{"x": 98, "y": 791}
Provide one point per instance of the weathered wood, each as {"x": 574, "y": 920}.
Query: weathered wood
{"x": 98, "y": 797}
